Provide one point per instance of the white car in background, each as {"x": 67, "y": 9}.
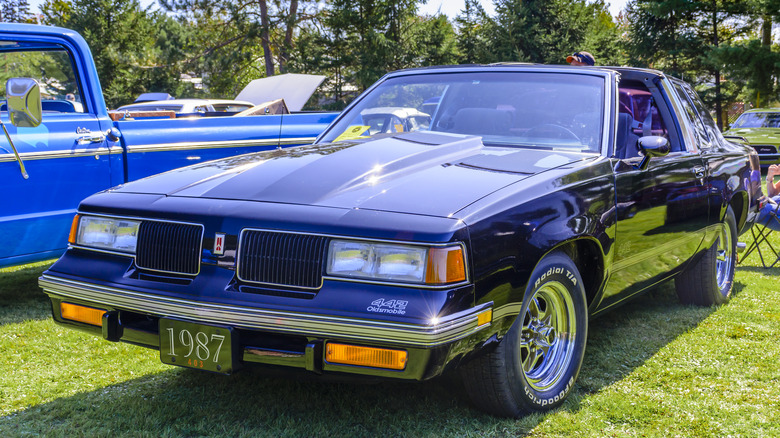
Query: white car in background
{"x": 189, "y": 106}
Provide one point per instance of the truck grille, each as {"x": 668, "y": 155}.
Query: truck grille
{"x": 282, "y": 259}
{"x": 169, "y": 247}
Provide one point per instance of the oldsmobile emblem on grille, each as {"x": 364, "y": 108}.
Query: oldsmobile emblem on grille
{"x": 219, "y": 243}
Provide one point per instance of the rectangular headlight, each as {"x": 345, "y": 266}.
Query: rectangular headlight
{"x": 377, "y": 261}
{"x": 395, "y": 262}
{"x": 107, "y": 233}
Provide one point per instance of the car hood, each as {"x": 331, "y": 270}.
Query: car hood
{"x": 419, "y": 173}
{"x": 768, "y": 135}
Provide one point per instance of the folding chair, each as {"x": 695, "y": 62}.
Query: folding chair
{"x": 761, "y": 233}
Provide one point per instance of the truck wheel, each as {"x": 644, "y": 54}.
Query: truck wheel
{"x": 535, "y": 365}
{"x": 709, "y": 280}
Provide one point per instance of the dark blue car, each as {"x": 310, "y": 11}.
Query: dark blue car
{"x": 482, "y": 240}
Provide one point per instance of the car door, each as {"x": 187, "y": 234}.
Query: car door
{"x": 662, "y": 211}
{"x": 66, "y": 156}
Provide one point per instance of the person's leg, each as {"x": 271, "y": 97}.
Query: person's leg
{"x": 768, "y": 215}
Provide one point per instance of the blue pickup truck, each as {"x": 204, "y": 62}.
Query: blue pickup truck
{"x": 77, "y": 148}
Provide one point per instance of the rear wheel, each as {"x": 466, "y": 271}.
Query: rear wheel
{"x": 710, "y": 279}
{"x": 535, "y": 365}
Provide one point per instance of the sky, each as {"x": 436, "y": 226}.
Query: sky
{"x": 450, "y": 8}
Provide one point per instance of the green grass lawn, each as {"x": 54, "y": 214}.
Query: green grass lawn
{"x": 652, "y": 368}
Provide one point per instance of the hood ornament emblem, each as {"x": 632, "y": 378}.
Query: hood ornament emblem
{"x": 219, "y": 244}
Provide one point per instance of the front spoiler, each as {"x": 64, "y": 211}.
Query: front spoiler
{"x": 444, "y": 330}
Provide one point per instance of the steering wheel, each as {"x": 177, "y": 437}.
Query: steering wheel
{"x": 553, "y": 128}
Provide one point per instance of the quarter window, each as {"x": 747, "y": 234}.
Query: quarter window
{"x": 709, "y": 124}
{"x": 693, "y": 117}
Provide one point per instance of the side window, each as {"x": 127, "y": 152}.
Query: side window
{"x": 698, "y": 127}
{"x": 639, "y": 115}
{"x": 52, "y": 69}
{"x": 709, "y": 124}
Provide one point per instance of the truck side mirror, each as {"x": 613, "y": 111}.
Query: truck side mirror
{"x": 23, "y": 97}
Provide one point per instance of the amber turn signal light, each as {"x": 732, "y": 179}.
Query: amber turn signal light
{"x": 365, "y": 356}
{"x": 485, "y": 317}
{"x": 445, "y": 265}
{"x": 74, "y": 227}
{"x": 87, "y": 315}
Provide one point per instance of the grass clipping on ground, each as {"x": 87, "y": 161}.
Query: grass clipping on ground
{"x": 652, "y": 368}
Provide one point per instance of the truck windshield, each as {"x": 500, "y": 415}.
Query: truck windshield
{"x": 53, "y": 70}
{"x": 526, "y": 109}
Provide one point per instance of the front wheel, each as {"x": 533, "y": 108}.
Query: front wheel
{"x": 536, "y": 364}
{"x": 710, "y": 279}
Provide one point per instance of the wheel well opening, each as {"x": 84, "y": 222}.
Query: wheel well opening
{"x": 587, "y": 256}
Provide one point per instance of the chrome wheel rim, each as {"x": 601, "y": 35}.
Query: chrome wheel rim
{"x": 724, "y": 259}
{"x": 547, "y": 337}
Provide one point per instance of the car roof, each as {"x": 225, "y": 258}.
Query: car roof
{"x": 522, "y": 66}
{"x": 763, "y": 110}
{"x": 231, "y": 101}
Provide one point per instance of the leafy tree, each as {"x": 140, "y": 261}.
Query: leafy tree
{"x": 698, "y": 39}
{"x": 118, "y": 32}
{"x": 247, "y": 26}
{"x": 474, "y": 30}
{"x": 545, "y": 31}
{"x": 660, "y": 35}
{"x": 433, "y": 41}
{"x": 136, "y": 50}
{"x": 15, "y": 11}
{"x": 603, "y": 38}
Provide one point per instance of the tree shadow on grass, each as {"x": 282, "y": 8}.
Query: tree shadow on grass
{"x": 21, "y": 298}
{"x": 625, "y": 338}
{"x": 182, "y": 402}
{"x": 774, "y": 271}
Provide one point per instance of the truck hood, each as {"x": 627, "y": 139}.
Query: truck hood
{"x": 422, "y": 173}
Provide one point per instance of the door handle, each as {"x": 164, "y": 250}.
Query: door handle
{"x": 699, "y": 172}
{"x": 89, "y": 137}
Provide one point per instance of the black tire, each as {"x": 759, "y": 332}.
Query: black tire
{"x": 535, "y": 365}
{"x": 709, "y": 280}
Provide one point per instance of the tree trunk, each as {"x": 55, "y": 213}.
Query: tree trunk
{"x": 284, "y": 54}
{"x": 265, "y": 39}
{"x": 718, "y": 104}
{"x": 766, "y": 31}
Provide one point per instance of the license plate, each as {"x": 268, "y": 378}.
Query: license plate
{"x": 191, "y": 345}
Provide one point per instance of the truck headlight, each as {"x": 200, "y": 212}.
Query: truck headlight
{"x": 110, "y": 234}
{"x": 395, "y": 262}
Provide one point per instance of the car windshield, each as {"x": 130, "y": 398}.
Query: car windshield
{"x": 758, "y": 120}
{"x": 526, "y": 109}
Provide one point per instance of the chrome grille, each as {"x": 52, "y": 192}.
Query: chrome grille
{"x": 282, "y": 259}
{"x": 169, "y": 247}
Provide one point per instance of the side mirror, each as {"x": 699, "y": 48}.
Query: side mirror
{"x": 23, "y": 97}
{"x": 652, "y": 146}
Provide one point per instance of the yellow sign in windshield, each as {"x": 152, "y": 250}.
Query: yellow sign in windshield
{"x": 352, "y": 132}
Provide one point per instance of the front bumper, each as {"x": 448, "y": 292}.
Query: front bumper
{"x": 276, "y": 337}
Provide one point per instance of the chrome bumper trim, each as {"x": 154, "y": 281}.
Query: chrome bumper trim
{"x": 448, "y": 329}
